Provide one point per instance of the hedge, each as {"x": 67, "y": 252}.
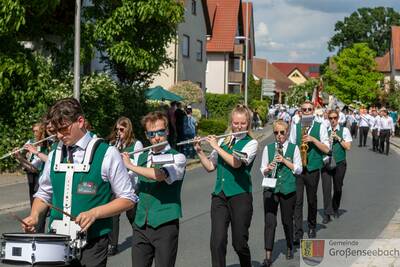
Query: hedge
{"x": 220, "y": 106}
{"x": 212, "y": 126}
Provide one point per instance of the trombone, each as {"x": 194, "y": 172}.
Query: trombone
{"x": 190, "y": 141}
{"x": 22, "y": 148}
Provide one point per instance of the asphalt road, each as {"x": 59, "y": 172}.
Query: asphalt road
{"x": 370, "y": 199}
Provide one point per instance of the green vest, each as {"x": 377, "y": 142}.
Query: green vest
{"x": 286, "y": 181}
{"x": 84, "y": 202}
{"x": 230, "y": 180}
{"x": 159, "y": 202}
{"x": 41, "y": 149}
{"x": 338, "y": 152}
{"x": 130, "y": 149}
{"x": 314, "y": 155}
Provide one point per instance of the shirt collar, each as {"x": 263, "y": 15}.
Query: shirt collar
{"x": 336, "y": 128}
{"x": 84, "y": 141}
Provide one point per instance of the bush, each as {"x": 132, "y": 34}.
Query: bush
{"x": 212, "y": 126}
{"x": 190, "y": 92}
{"x": 220, "y": 106}
{"x": 261, "y": 106}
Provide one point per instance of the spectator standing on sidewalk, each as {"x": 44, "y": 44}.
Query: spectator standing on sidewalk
{"x": 190, "y": 125}
{"x": 172, "y": 124}
{"x": 180, "y": 117}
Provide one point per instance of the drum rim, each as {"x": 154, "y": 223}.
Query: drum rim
{"x": 43, "y": 237}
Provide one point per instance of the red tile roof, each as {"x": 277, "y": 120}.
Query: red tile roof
{"x": 282, "y": 82}
{"x": 224, "y": 22}
{"x": 383, "y": 63}
{"x": 309, "y": 70}
{"x": 396, "y": 47}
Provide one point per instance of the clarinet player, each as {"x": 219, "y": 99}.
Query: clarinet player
{"x": 282, "y": 161}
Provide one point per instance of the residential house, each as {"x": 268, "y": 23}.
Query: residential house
{"x": 189, "y": 51}
{"x": 389, "y": 64}
{"x": 299, "y": 73}
{"x": 262, "y": 69}
{"x": 226, "y": 47}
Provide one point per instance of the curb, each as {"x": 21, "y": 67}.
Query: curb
{"x": 14, "y": 207}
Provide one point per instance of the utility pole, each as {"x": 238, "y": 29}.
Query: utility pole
{"x": 247, "y": 53}
{"x": 77, "y": 49}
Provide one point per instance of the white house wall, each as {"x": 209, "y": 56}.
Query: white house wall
{"x": 217, "y": 73}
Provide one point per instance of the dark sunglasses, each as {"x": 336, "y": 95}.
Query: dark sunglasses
{"x": 307, "y": 109}
{"x": 279, "y": 132}
{"x": 120, "y": 129}
{"x": 161, "y": 133}
{"x": 333, "y": 118}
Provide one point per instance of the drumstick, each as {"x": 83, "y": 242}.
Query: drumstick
{"x": 15, "y": 216}
{"x": 60, "y": 210}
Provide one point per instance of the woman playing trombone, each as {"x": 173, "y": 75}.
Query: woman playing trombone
{"x": 282, "y": 160}
{"x": 232, "y": 200}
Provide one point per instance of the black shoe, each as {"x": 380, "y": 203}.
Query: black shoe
{"x": 289, "y": 254}
{"x": 296, "y": 241}
{"x": 327, "y": 219}
{"x": 336, "y": 214}
{"x": 112, "y": 250}
{"x": 312, "y": 233}
{"x": 267, "y": 263}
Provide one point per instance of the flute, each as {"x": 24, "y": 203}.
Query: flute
{"x": 190, "y": 141}
{"x": 22, "y": 148}
{"x": 148, "y": 147}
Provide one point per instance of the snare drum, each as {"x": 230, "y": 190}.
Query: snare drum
{"x": 48, "y": 249}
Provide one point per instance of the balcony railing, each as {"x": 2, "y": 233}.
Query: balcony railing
{"x": 238, "y": 49}
{"x": 235, "y": 77}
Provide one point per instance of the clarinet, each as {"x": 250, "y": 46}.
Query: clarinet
{"x": 278, "y": 151}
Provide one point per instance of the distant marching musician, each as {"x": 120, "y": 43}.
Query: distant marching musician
{"x": 385, "y": 130}
{"x": 90, "y": 200}
{"x": 286, "y": 165}
{"x": 161, "y": 171}
{"x": 232, "y": 200}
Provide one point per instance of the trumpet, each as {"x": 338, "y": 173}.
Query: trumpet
{"x": 190, "y": 141}
{"x": 22, "y": 148}
{"x": 148, "y": 147}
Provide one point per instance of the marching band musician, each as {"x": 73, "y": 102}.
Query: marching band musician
{"x": 374, "y": 120}
{"x": 317, "y": 141}
{"x": 123, "y": 138}
{"x": 385, "y": 130}
{"x": 363, "y": 126}
{"x": 90, "y": 202}
{"x": 232, "y": 200}
{"x": 340, "y": 141}
{"x": 284, "y": 193}
{"x": 161, "y": 171}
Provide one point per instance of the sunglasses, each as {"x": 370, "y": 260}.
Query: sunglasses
{"x": 307, "y": 109}
{"x": 333, "y": 118}
{"x": 64, "y": 129}
{"x": 279, "y": 132}
{"x": 120, "y": 129}
{"x": 152, "y": 134}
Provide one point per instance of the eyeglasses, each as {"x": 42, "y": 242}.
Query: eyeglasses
{"x": 333, "y": 118}
{"x": 307, "y": 109}
{"x": 279, "y": 132}
{"x": 120, "y": 129}
{"x": 152, "y": 134}
{"x": 64, "y": 129}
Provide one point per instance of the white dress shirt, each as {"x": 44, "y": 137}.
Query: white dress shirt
{"x": 374, "y": 121}
{"x": 323, "y": 134}
{"x": 298, "y": 166}
{"x": 176, "y": 170}
{"x": 113, "y": 171}
{"x": 342, "y": 118}
{"x": 134, "y": 177}
{"x": 386, "y": 123}
{"x": 34, "y": 159}
{"x": 250, "y": 149}
{"x": 346, "y": 133}
{"x": 365, "y": 120}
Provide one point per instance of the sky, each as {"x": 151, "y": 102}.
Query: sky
{"x": 298, "y": 30}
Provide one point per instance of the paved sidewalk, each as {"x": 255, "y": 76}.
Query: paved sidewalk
{"x": 395, "y": 140}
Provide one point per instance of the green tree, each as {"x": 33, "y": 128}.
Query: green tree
{"x": 354, "y": 76}
{"x": 366, "y": 25}
{"x": 190, "y": 92}
{"x": 299, "y": 93}
{"x": 254, "y": 89}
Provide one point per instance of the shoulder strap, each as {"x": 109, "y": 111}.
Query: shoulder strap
{"x": 91, "y": 149}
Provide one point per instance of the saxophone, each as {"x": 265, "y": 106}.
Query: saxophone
{"x": 306, "y": 122}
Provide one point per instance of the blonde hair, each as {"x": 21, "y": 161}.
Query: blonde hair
{"x": 280, "y": 123}
{"x": 241, "y": 109}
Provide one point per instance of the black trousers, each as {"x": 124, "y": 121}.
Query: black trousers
{"x": 363, "y": 133}
{"x": 33, "y": 184}
{"x": 375, "y": 140}
{"x": 271, "y": 202}
{"x": 237, "y": 211}
{"x": 309, "y": 180}
{"x": 114, "y": 234}
{"x": 94, "y": 254}
{"x": 384, "y": 137}
{"x": 353, "y": 130}
{"x": 335, "y": 176}
{"x": 160, "y": 244}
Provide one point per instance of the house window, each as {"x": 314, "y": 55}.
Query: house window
{"x": 185, "y": 45}
{"x": 233, "y": 89}
{"x": 237, "y": 64}
{"x": 194, "y": 7}
{"x": 295, "y": 75}
{"x": 199, "y": 53}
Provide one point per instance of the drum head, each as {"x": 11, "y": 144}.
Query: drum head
{"x": 35, "y": 236}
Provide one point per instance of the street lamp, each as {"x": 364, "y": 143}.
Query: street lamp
{"x": 77, "y": 46}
